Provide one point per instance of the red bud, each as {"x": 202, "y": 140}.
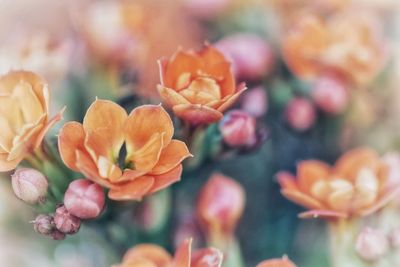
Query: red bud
{"x": 238, "y": 129}
{"x": 300, "y": 114}
{"x": 330, "y": 94}
{"x": 66, "y": 222}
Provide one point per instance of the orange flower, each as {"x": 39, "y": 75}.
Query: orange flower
{"x": 198, "y": 86}
{"x": 153, "y": 159}
{"x": 220, "y": 205}
{"x": 148, "y": 255}
{"x": 284, "y": 262}
{"x": 24, "y": 116}
{"x": 357, "y": 185}
{"x": 349, "y": 43}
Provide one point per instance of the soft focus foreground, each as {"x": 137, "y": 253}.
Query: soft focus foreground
{"x": 200, "y": 133}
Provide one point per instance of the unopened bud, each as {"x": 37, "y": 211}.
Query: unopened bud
{"x": 255, "y": 101}
{"x": 394, "y": 238}
{"x": 238, "y": 128}
{"x": 300, "y": 114}
{"x": 66, "y": 222}
{"x": 57, "y": 235}
{"x": 84, "y": 199}
{"x": 29, "y": 185}
{"x": 220, "y": 205}
{"x": 371, "y": 244}
{"x": 43, "y": 224}
{"x": 330, "y": 94}
{"x": 251, "y": 55}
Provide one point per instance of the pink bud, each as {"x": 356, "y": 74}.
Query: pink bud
{"x": 57, "y": 235}
{"x": 43, "y": 224}
{"x": 238, "y": 128}
{"x": 395, "y": 238}
{"x": 251, "y": 56}
{"x": 206, "y": 9}
{"x": 66, "y": 222}
{"x": 300, "y": 114}
{"x": 371, "y": 244}
{"x": 330, "y": 94}
{"x": 29, "y": 185}
{"x": 84, "y": 199}
{"x": 255, "y": 101}
{"x": 220, "y": 205}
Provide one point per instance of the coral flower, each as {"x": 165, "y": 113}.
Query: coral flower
{"x": 357, "y": 185}
{"x": 147, "y": 255}
{"x": 198, "y": 86}
{"x": 152, "y": 160}
{"x": 24, "y": 116}
{"x": 349, "y": 43}
{"x": 284, "y": 262}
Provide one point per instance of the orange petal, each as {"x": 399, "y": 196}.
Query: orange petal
{"x": 143, "y": 122}
{"x": 181, "y": 62}
{"x": 284, "y": 262}
{"x": 8, "y": 165}
{"x": 133, "y": 190}
{"x": 197, "y": 114}
{"x": 86, "y": 166}
{"x": 208, "y": 257}
{"x": 171, "y": 156}
{"x": 382, "y": 201}
{"x": 302, "y": 199}
{"x": 348, "y": 165}
{"x": 103, "y": 124}
{"x": 309, "y": 172}
{"x": 286, "y": 180}
{"x": 147, "y": 156}
{"x": 152, "y": 253}
{"x": 211, "y": 56}
{"x": 166, "y": 179}
{"x": 171, "y": 97}
{"x": 326, "y": 214}
{"x": 202, "y": 90}
{"x": 162, "y": 65}
{"x": 182, "y": 255}
{"x": 228, "y": 101}
{"x": 49, "y": 124}
{"x": 70, "y": 139}
{"x": 223, "y": 73}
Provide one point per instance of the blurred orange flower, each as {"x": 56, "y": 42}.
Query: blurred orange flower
{"x": 357, "y": 185}
{"x": 348, "y": 43}
{"x": 198, "y": 86}
{"x": 148, "y": 255}
{"x": 220, "y": 205}
{"x": 153, "y": 159}
{"x": 24, "y": 116}
{"x": 284, "y": 262}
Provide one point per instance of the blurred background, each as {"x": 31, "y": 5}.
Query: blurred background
{"x": 109, "y": 49}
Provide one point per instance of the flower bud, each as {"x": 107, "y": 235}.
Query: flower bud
{"x": 220, "y": 205}
{"x": 57, "y": 235}
{"x": 300, "y": 114}
{"x": 29, "y": 185}
{"x": 84, "y": 199}
{"x": 255, "y": 101}
{"x": 66, "y": 222}
{"x": 371, "y": 244}
{"x": 43, "y": 224}
{"x": 238, "y": 129}
{"x": 206, "y": 9}
{"x": 251, "y": 56}
{"x": 330, "y": 94}
{"x": 394, "y": 238}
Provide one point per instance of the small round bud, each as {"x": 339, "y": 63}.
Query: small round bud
{"x": 330, "y": 95}
{"x": 29, "y": 185}
{"x": 394, "y": 238}
{"x": 84, "y": 199}
{"x": 371, "y": 244}
{"x": 255, "y": 101}
{"x": 43, "y": 224}
{"x": 300, "y": 114}
{"x": 57, "y": 235}
{"x": 66, "y": 222}
{"x": 238, "y": 128}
